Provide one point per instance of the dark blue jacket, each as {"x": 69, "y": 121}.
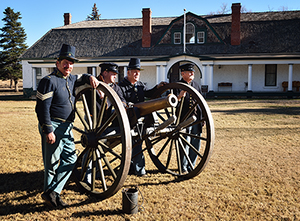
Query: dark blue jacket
{"x": 56, "y": 98}
{"x": 135, "y": 93}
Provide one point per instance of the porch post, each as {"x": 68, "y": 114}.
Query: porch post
{"x": 290, "y": 82}
{"x": 163, "y": 74}
{"x": 204, "y": 74}
{"x": 157, "y": 74}
{"x": 94, "y": 72}
{"x": 249, "y": 77}
{"x": 211, "y": 78}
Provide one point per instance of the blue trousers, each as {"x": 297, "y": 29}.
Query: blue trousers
{"x": 138, "y": 162}
{"x": 196, "y": 143}
{"x": 59, "y": 158}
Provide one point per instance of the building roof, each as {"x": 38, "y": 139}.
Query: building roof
{"x": 261, "y": 33}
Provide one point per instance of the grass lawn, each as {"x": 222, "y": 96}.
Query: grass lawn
{"x": 253, "y": 174}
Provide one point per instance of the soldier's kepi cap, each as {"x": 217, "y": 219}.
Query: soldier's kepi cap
{"x": 187, "y": 67}
{"x": 67, "y": 52}
{"x": 109, "y": 66}
{"x": 134, "y": 64}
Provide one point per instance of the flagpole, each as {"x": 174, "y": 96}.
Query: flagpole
{"x": 184, "y": 27}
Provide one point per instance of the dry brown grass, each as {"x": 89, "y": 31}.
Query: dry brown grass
{"x": 253, "y": 173}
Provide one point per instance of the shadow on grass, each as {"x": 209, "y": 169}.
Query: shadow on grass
{"x": 16, "y": 97}
{"x": 268, "y": 110}
{"x": 19, "y": 187}
{"x": 20, "y": 190}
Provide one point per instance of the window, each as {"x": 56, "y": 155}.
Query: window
{"x": 200, "y": 37}
{"x": 190, "y": 33}
{"x": 270, "y": 74}
{"x": 177, "y": 38}
{"x": 193, "y": 35}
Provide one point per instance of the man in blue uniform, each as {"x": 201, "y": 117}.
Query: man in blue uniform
{"x": 55, "y": 113}
{"x": 135, "y": 91}
{"x": 187, "y": 74}
{"x": 108, "y": 74}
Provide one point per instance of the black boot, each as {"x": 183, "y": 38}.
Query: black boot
{"x": 50, "y": 198}
{"x": 60, "y": 202}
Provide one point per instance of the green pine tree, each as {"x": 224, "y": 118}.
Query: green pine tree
{"x": 94, "y": 15}
{"x": 12, "y": 43}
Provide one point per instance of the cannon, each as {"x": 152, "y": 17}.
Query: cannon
{"x": 103, "y": 135}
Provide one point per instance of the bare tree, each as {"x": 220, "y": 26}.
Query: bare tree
{"x": 283, "y": 8}
{"x": 225, "y": 10}
{"x": 245, "y": 10}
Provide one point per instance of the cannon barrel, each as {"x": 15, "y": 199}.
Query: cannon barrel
{"x": 150, "y": 106}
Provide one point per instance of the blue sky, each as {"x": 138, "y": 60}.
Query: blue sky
{"x": 39, "y": 16}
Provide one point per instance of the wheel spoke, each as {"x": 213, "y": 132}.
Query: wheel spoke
{"x": 101, "y": 172}
{"x": 101, "y": 112}
{"x": 107, "y": 163}
{"x": 78, "y": 130}
{"x": 106, "y": 124}
{"x": 94, "y": 107}
{"x": 179, "y": 111}
{"x": 163, "y": 147}
{"x": 85, "y": 164}
{"x": 156, "y": 140}
{"x": 183, "y": 150}
{"x": 169, "y": 154}
{"x": 87, "y": 112}
{"x": 83, "y": 121}
{"x": 194, "y": 136}
{"x": 167, "y": 113}
{"x": 160, "y": 116}
{"x": 93, "y": 169}
{"x": 189, "y": 112}
{"x": 178, "y": 157}
{"x": 191, "y": 146}
{"x": 111, "y": 137}
{"x": 107, "y": 148}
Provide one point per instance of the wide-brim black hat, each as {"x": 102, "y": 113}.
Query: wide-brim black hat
{"x": 109, "y": 66}
{"x": 67, "y": 52}
{"x": 187, "y": 67}
{"x": 134, "y": 64}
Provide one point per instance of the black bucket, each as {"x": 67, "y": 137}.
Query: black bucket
{"x": 130, "y": 200}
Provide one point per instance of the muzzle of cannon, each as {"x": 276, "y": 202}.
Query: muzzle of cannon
{"x": 153, "y": 105}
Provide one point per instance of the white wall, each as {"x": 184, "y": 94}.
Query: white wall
{"x": 148, "y": 75}
{"x": 27, "y": 74}
{"x": 235, "y": 74}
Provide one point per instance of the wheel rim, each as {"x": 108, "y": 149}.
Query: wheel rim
{"x": 103, "y": 131}
{"x": 167, "y": 147}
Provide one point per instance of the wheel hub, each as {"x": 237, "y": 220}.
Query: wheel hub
{"x": 89, "y": 140}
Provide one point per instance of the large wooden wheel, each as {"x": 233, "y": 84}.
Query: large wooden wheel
{"x": 103, "y": 135}
{"x": 168, "y": 147}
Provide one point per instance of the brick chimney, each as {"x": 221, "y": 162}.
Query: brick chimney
{"x": 236, "y": 24}
{"x": 147, "y": 28}
{"x": 67, "y": 17}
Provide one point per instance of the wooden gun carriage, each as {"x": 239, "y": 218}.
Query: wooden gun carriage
{"x": 107, "y": 152}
